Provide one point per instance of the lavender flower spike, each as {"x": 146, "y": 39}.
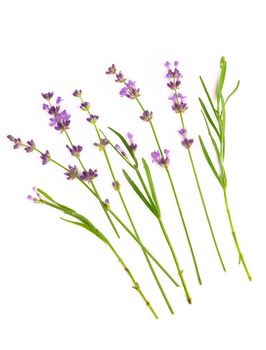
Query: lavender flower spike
{"x": 101, "y": 145}
{"x": 48, "y": 96}
{"x": 31, "y": 146}
{"x": 77, "y": 93}
{"x": 130, "y": 90}
{"x": 121, "y": 151}
{"x": 85, "y": 106}
{"x": 72, "y": 173}
{"x": 132, "y": 144}
{"x": 88, "y": 175}
{"x": 116, "y": 185}
{"x": 75, "y": 150}
{"x": 45, "y": 157}
{"x": 186, "y": 142}
{"x": 146, "y": 116}
{"x": 17, "y": 141}
{"x": 111, "y": 70}
{"x": 93, "y": 119}
{"x": 158, "y": 159}
{"x": 37, "y": 197}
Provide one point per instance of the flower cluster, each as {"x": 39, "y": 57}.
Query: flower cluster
{"x": 75, "y": 150}
{"x": 101, "y": 145}
{"x": 17, "y": 141}
{"x": 173, "y": 77}
{"x": 116, "y": 185}
{"x": 129, "y": 90}
{"x": 186, "y": 142}
{"x": 37, "y": 198}
{"x": 45, "y": 157}
{"x": 159, "y": 159}
{"x": 72, "y": 172}
{"x": 132, "y": 144}
{"x": 60, "y": 120}
{"x": 88, "y": 175}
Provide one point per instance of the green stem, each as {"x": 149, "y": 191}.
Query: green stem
{"x": 134, "y": 227}
{"x": 135, "y": 284}
{"x": 143, "y": 247}
{"x": 241, "y": 257}
{"x": 180, "y": 272}
{"x": 202, "y": 199}
{"x": 176, "y": 198}
{"x": 179, "y": 209}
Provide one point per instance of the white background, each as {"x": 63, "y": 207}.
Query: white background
{"x": 60, "y": 287}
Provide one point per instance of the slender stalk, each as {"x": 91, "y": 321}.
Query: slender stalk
{"x": 180, "y": 272}
{"x": 241, "y": 257}
{"x": 202, "y": 198}
{"x": 167, "y": 240}
{"x": 178, "y": 206}
{"x": 132, "y": 223}
{"x": 135, "y": 283}
{"x": 143, "y": 247}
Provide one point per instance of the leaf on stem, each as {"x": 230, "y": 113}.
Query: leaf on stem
{"x": 151, "y": 185}
{"x": 140, "y": 194}
{"x": 207, "y": 115}
{"x": 209, "y": 98}
{"x": 206, "y": 154}
{"x": 232, "y": 93}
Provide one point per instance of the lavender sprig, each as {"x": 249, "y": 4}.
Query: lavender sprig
{"x": 179, "y": 106}
{"x": 216, "y": 124}
{"x": 43, "y": 198}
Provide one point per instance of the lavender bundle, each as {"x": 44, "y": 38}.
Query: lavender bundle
{"x": 145, "y": 189}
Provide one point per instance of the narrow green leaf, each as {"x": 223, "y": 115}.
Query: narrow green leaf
{"x": 232, "y": 93}
{"x": 63, "y": 207}
{"x": 207, "y": 115}
{"x": 221, "y": 78}
{"x": 223, "y": 123}
{"x": 206, "y": 154}
{"x": 209, "y": 98}
{"x": 140, "y": 194}
{"x": 98, "y": 234}
{"x": 151, "y": 185}
{"x": 125, "y": 143}
{"x": 212, "y": 138}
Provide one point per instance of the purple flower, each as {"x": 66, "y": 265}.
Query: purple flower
{"x": 75, "y": 150}
{"x": 102, "y": 144}
{"x": 85, "y": 106}
{"x": 121, "y": 151}
{"x": 163, "y": 161}
{"x": 88, "y": 175}
{"x": 146, "y": 116}
{"x": 58, "y": 100}
{"x": 72, "y": 173}
{"x": 111, "y": 70}
{"x": 186, "y": 142}
{"x": 179, "y": 107}
{"x": 31, "y": 146}
{"x": 60, "y": 121}
{"x": 77, "y": 93}
{"x": 132, "y": 144}
{"x": 116, "y": 185}
{"x": 93, "y": 119}
{"x": 120, "y": 78}
{"x": 174, "y": 76}
{"x": 45, "y": 157}
{"x": 37, "y": 197}
{"x": 17, "y": 141}
{"x": 130, "y": 90}
{"x": 48, "y": 95}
